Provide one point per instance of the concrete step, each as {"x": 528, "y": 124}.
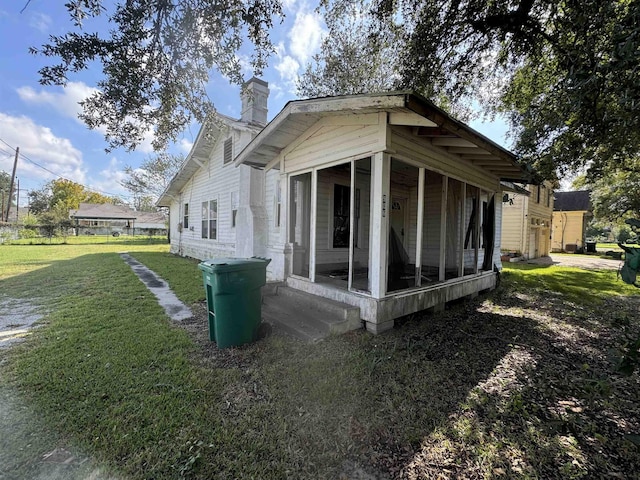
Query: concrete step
{"x": 309, "y": 317}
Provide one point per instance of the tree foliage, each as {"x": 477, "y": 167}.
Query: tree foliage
{"x": 616, "y": 196}
{"x": 5, "y": 183}
{"x": 147, "y": 182}
{"x": 63, "y": 195}
{"x": 348, "y": 65}
{"x": 156, "y": 58}
{"x": 564, "y": 73}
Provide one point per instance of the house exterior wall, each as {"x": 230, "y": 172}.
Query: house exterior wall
{"x": 568, "y": 229}
{"x": 527, "y": 222}
{"x": 214, "y": 180}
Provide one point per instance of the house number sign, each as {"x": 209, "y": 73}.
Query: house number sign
{"x": 384, "y": 206}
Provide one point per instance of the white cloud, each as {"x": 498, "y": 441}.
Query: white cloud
{"x": 305, "y": 36}
{"x": 40, "y": 22}
{"x": 185, "y": 145}
{"x": 40, "y": 145}
{"x": 288, "y": 69}
{"x": 109, "y": 180}
{"x": 67, "y": 103}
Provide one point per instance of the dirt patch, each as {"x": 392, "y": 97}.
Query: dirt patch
{"x": 18, "y": 317}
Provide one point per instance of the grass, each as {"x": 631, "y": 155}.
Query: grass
{"x": 573, "y": 284}
{"x": 90, "y": 240}
{"x": 514, "y": 385}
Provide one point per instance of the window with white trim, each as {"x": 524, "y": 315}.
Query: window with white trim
{"x": 213, "y": 219}
{"x": 234, "y": 208}
{"x": 210, "y": 219}
{"x": 278, "y": 204}
{"x": 205, "y": 220}
{"x": 185, "y": 217}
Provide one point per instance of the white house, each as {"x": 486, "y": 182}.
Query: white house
{"x": 379, "y": 201}
{"x": 526, "y": 220}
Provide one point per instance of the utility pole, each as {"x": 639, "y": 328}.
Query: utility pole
{"x": 18, "y": 201}
{"x": 13, "y": 176}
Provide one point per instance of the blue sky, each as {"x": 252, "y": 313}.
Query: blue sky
{"x": 42, "y": 120}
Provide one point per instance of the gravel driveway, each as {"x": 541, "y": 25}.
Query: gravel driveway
{"x": 590, "y": 262}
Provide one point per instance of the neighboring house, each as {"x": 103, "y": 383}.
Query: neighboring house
{"x": 107, "y": 219}
{"x": 571, "y": 215}
{"x": 526, "y": 220}
{"x": 379, "y": 201}
{"x": 150, "y": 223}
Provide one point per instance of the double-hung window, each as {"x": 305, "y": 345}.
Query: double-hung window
{"x": 210, "y": 219}
{"x": 185, "y": 217}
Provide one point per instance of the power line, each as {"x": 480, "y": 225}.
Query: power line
{"x": 91, "y": 189}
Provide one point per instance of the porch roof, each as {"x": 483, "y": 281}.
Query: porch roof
{"x": 445, "y": 132}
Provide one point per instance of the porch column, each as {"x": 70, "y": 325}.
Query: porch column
{"x": 380, "y": 210}
{"x": 251, "y": 223}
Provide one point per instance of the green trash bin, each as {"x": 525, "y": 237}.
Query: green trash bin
{"x": 234, "y": 298}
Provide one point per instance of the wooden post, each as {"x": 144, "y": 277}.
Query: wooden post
{"x": 13, "y": 176}
{"x": 380, "y": 210}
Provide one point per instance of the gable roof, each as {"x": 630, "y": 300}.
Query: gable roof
{"x": 210, "y": 133}
{"x": 578, "y": 201}
{"x": 405, "y": 108}
{"x": 105, "y": 211}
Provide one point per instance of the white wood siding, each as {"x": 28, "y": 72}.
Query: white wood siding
{"x": 213, "y": 181}
{"x": 329, "y": 143}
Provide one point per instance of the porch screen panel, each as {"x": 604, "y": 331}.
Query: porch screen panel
{"x": 360, "y": 280}
{"x": 300, "y": 220}
{"x": 482, "y": 208}
{"x": 454, "y": 242}
{"x": 431, "y": 227}
{"x": 333, "y": 226}
{"x": 471, "y": 227}
{"x": 403, "y": 226}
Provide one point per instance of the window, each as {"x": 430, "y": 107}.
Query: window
{"x": 213, "y": 219}
{"x": 234, "y": 208}
{"x": 205, "y": 219}
{"x": 538, "y": 194}
{"x": 210, "y": 219}
{"x": 278, "y": 205}
{"x": 341, "y": 210}
{"x": 185, "y": 218}
{"x": 228, "y": 150}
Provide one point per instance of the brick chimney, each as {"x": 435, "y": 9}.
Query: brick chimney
{"x": 254, "y": 97}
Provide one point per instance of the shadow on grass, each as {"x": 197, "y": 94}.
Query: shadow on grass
{"x": 484, "y": 389}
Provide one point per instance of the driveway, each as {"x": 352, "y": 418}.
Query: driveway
{"x": 589, "y": 262}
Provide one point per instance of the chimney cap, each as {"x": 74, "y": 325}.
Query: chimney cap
{"x": 256, "y": 80}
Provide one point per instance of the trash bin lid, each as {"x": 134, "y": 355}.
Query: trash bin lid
{"x": 220, "y": 265}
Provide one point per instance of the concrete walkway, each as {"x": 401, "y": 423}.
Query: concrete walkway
{"x": 166, "y": 298}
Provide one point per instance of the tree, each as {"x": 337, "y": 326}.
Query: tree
{"x": 69, "y": 195}
{"x": 5, "y": 182}
{"x": 64, "y": 194}
{"x": 40, "y": 200}
{"x": 615, "y": 196}
{"x": 157, "y": 57}
{"x": 345, "y": 64}
{"x": 564, "y": 73}
{"x": 147, "y": 182}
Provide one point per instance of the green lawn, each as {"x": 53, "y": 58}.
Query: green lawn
{"x": 516, "y": 384}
